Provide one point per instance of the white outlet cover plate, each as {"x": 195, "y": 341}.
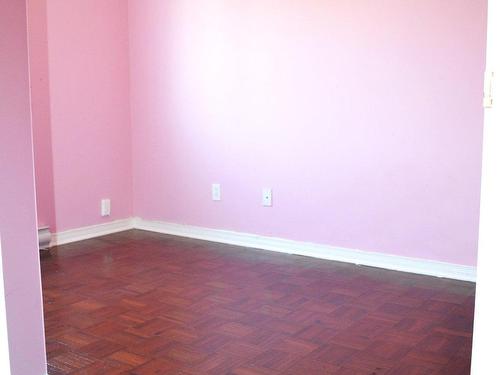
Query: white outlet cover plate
{"x": 105, "y": 207}
{"x": 267, "y": 197}
{"x": 216, "y": 192}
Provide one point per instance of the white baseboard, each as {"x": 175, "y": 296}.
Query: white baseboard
{"x": 366, "y": 258}
{"x": 85, "y": 233}
{"x": 391, "y": 262}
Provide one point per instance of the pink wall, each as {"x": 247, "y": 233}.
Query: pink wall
{"x": 17, "y": 198}
{"x": 40, "y": 109}
{"x": 364, "y": 117}
{"x": 89, "y": 111}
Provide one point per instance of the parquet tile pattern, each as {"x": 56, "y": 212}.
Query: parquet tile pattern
{"x": 143, "y": 303}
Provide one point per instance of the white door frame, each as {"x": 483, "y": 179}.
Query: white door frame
{"x": 4, "y": 342}
{"x": 486, "y": 320}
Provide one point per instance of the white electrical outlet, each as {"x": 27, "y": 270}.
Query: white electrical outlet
{"x": 105, "y": 207}
{"x": 267, "y": 197}
{"x": 216, "y": 194}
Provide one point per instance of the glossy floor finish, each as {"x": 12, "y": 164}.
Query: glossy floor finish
{"x": 145, "y": 303}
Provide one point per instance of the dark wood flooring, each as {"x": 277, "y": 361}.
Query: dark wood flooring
{"x": 144, "y": 303}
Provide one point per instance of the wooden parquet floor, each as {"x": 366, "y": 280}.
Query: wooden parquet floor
{"x": 144, "y": 303}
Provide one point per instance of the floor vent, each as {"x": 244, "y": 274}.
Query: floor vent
{"x": 44, "y": 237}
